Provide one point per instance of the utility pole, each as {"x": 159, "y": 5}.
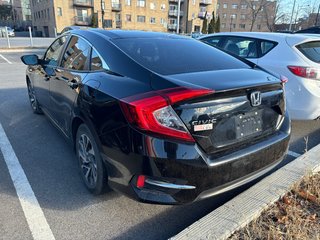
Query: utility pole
{"x": 102, "y": 12}
{"x": 294, "y": 4}
{"x": 178, "y": 20}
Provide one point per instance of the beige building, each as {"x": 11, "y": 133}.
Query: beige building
{"x": 246, "y": 15}
{"x": 49, "y": 16}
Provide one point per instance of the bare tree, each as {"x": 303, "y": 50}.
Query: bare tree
{"x": 273, "y": 17}
{"x": 255, "y": 8}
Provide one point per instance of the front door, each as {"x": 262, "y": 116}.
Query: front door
{"x": 46, "y": 72}
{"x": 64, "y": 87}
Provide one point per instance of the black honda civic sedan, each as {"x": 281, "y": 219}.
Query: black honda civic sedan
{"x": 159, "y": 117}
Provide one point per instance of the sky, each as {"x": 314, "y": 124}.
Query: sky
{"x": 302, "y": 8}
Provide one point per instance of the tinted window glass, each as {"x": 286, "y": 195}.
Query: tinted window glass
{"x": 172, "y": 56}
{"x": 53, "y": 53}
{"x": 97, "y": 62}
{"x": 76, "y": 55}
{"x": 266, "y": 46}
{"x": 213, "y": 41}
{"x": 311, "y": 50}
{"x": 243, "y": 47}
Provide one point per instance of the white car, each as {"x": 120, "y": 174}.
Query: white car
{"x": 295, "y": 56}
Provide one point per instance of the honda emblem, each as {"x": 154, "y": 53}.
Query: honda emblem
{"x": 255, "y": 98}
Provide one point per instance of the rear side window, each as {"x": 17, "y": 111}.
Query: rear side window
{"x": 266, "y": 46}
{"x": 76, "y": 54}
{"x": 243, "y": 47}
{"x": 173, "y": 56}
{"x": 97, "y": 62}
{"x": 311, "y": 50}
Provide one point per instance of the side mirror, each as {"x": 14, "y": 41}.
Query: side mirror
{"x": 30, "y": 59}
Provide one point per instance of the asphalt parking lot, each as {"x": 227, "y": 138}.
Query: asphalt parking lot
{"x": 51, "y": 170}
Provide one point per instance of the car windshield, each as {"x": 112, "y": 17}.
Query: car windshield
{"x": 173, "y": 56}
{"x": 311, "y": 50}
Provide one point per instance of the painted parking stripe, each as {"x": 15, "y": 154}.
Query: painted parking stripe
{"x": 34, "y": 215}
{"x": 293, "y": 154}
{"x": 4, "y": 58}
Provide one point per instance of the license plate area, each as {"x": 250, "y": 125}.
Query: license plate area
{"x": 248, "y": 124}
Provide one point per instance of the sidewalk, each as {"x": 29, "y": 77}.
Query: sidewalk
{"x": 24, "y": 43}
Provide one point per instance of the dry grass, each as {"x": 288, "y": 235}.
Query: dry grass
{"x": 295, "y": 216}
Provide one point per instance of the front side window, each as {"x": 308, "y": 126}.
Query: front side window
{"x": 53, "y": 53}
{"x": 76, "y": 54}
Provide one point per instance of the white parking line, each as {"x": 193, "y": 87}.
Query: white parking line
{"x": 5, "y": 59}
{"x": 33, "y": 213}
{"x": 294, "y": 154}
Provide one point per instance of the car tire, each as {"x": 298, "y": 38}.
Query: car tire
{"x": 33, "y": 100}
{"x": 92, "y": 169}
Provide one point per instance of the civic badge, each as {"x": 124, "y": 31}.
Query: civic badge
{"x": 255, "y": 98}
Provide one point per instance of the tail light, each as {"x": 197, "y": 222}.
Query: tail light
{"x": 305, "y": 72}
{"x": 152, "y": 111}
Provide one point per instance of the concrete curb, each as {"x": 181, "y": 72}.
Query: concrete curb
{"x": 247, "y": 206}
{"x": 22, "y": 49}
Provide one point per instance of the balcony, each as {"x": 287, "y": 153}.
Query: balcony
{"x": 172, "y": 26}
{"x": 83, "y": 3}
{"x": 82, "y": 21}
{"x": 176, "y": 1}
{"x": 203, "y": 14}
{"x": 116, "y": 7}
{"x": 205, "y": 2}
{"x": 175, "y": 13}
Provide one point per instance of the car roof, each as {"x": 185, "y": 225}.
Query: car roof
{"x": 292, "y": 39}
{"x": 116, "y": 34}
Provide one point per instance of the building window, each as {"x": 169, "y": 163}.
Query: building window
{"x": 224, "y": 15}
{"x": 234, "y": 6}
{"x": 48, "y": 13}
{"x": 128, "y": 17}
{"x": 152, "y": 20}
{"x": 242, "y": 16}
{"x": 243, "y": 6}
{"x": 225, "y": 5}
{"x": 128, "y": 2}
{"x": 152, "y": 6}
{"x": 141, "y": 18}
{"x": 162, "y": 21}
{"x": 141, "y": 3}
{"x": 59, "y": 11}
{"x": 242, "y": 26}
{"x": 223, "y": 25}
{"x": 218, "y": 5}
{"x": 193, "y": 2}
{"x": 163, "y": 7}
{"x": 233, "y": 16}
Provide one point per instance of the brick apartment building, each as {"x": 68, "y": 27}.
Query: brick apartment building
{"x": 246, "y": 15}
{"x": 15, "y": 13}
{"x": 148, "y": 15}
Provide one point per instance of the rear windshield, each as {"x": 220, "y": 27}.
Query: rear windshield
{"x": 173, "y": 56}
{"x": 311, "y": 50}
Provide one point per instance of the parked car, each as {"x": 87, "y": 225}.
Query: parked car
{"x": 313, "y": 30}
{"x": 295, "y": 56}
{"x": 156, "y": 116}
{"x": 10, "y": 32}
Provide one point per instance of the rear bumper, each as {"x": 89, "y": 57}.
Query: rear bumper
{"x": 179, "y": 173}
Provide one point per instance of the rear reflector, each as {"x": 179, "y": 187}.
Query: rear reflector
{"x": 141, "y": 181}
{"x": 152, "y": 111}
{"x": 305, "y": 72}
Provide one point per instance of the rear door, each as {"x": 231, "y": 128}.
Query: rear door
{"x": 64, "y": 87}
